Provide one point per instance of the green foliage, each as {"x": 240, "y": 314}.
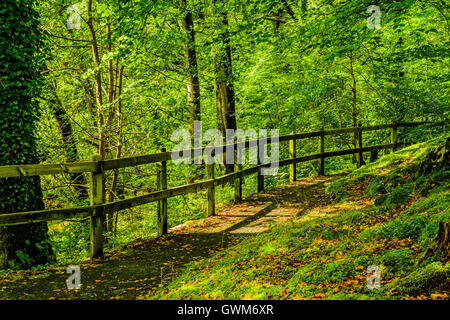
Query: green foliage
{"x": 23, "y": 260}
{"x": 71, "y": 243}
{"x": 328, "y": 256}
{"x": 336, "y": 192}
{"x": 396, "y": 261}
{"x": 333, "y": 272}
{"x": 375, "y": 187}
{"x": 397, "y": 196}
{"x": 416, "y": 222}
{"x": 428, "y": 279}
{"x": 292, "y": 75}
{"x": 20, "y": 78}
{"x": 22, "y": 60}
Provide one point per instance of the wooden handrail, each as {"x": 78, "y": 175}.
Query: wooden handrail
{"x": 98, "y": 209}
{"x": 91, "y": 166}
{"x": 87, "y": 211}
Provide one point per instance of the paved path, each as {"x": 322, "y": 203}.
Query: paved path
{"x": 144, "y": 266}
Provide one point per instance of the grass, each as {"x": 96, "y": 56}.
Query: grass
{"x": 389, "y": 217}
{"x": 326, "y": 257}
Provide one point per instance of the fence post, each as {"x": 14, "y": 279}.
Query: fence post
{"x": 394, "y": 137}
{"x": 322, "y": 150}
{"x": 292, "y": 155}
{"x": 96, "y": 196}
{"x": 162, "y": 204}
{"x": 373, "y": 155}
{"x": 260, "y": 177}
{"x": 237, "y": 184}
{"x": 359, "y": 155}
{"x": 211, "y": 210}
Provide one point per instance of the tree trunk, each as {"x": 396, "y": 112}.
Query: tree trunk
{"x": 190, "y": 55}
{"x": 68, "y": 143}
{"x": 443, "y": 239}
{"x": 441, "y": 244}
{"x": 98, "y": 80}
{"x": 100, "y": 117}
{"x": 192, "y": 79}
{"x": 354, "y": 101}
{"x": 353, "y": 87}
{"x": 225, "y": 99}
{"x": 22, "y": 245}
{"x": 118, "y": 154}
{"x": 276, "y": 21}
{"x": 108, "y": 222}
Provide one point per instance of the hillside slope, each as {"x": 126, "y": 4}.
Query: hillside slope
{"x": 393, "y": 213}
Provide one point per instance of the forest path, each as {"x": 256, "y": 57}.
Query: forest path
{"x": 144, "y": 266}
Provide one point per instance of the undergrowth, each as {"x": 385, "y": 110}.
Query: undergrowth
{"x": 328, "y": 256}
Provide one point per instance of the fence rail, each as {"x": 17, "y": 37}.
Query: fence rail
{"x": 97, "y": 209}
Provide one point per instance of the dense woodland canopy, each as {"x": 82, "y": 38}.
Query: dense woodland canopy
{"x": 137, "y": 70}
{"x": 117, "y": 77}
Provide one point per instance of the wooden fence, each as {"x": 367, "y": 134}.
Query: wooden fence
{"x": 98, "y": 209}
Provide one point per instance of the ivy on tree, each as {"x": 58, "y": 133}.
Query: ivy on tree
{"x": 21, "y": 58}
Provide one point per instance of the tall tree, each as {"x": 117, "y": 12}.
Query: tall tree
{"x": 20, "y": 61}
{"x": 225, "y": 95}
{"x": 98, "y": 79}
{"x": 68, "y": 142}
{"x": 190, "y": 55}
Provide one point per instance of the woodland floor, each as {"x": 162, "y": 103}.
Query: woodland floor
{"x": 146, "y": 266}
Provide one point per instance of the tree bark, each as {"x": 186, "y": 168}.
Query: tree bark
{"x": 22, "y": 245}
{"x": 192, "y": 78}
{"x": 98, "y": 80}
{"x": 354, "y": 97}
{"x": 111, "y": 86}
{"x": 354, "y": 103}
{"x": 68, "y": 142}
{"x": 190, "y": 55}
{"x": 225, "y": 96}
{"x": 101, "y": 125}
{"x": 276, "y": 21}
{"x": 118, "y": 154}
{"x": 443, "y": 239}
{"x": 441, "y": 244}
{"x": 289, "y": 9}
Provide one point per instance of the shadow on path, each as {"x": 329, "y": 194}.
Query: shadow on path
{"x": 143, "y": 266}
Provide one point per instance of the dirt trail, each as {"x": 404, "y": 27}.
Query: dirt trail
{"x": 142, "y": 267}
